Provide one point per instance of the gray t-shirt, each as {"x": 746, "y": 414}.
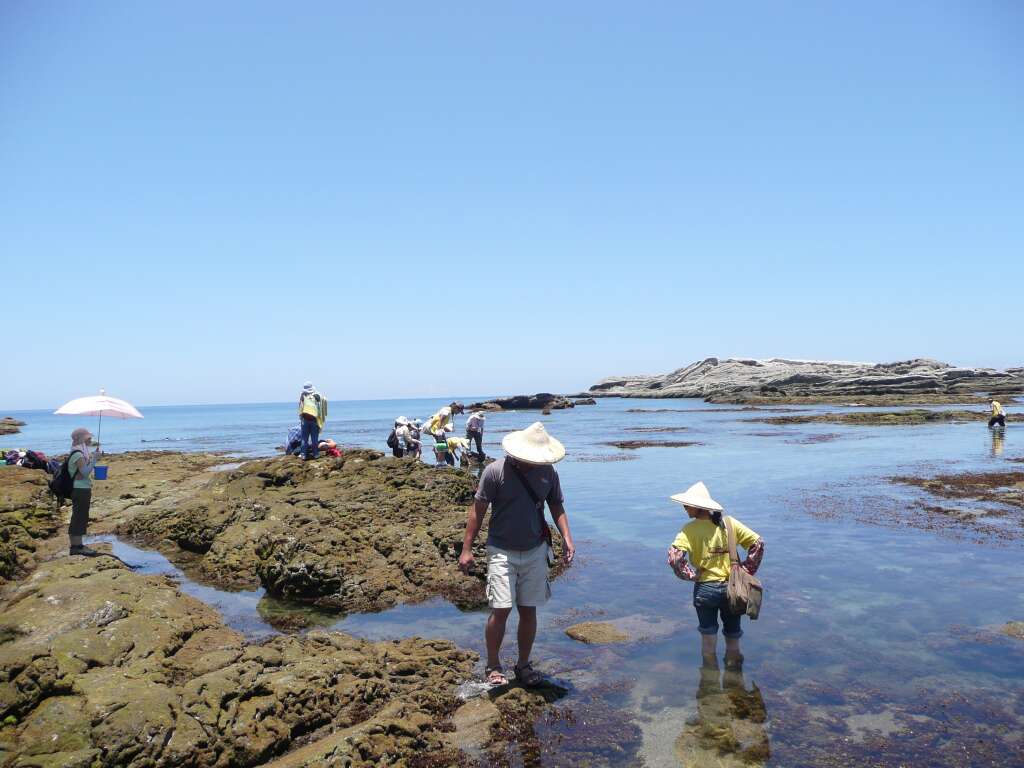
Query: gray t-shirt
{"x": 515, "y": 520}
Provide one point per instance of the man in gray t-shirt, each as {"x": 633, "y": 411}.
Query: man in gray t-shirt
{"x": 516, "y": 489}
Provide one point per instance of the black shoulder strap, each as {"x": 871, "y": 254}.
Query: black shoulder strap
{"x": 522, "y": 479}
{"x": 67, "y": 460}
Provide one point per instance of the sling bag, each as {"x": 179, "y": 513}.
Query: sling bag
{"x": 545, "y": 530}
{"x": 744, "y": 591}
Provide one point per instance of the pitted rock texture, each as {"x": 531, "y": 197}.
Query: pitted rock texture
{"x": 28, "y": 515}
{"x": 362, "y": 532}
{"x": 103, "y": 667}
{"x": 738, "y": 380}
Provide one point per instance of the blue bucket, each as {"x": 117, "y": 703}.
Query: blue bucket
{"x": 100, "y": 472}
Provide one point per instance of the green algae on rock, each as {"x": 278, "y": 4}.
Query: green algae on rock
{"x": 357, "y": 533}
{"x": 883, "y": 418}
{"x": 27, "y": 516}
{"x": 597, "y": 632}
{"x": 109, "y": 668}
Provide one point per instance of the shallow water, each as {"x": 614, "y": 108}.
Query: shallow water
{"x": 876, "y": 643}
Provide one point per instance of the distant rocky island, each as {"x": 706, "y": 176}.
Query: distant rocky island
{"x": 10, "y": 425}
{"x": 542, "y": 401}
{"x": 779, "y": 380}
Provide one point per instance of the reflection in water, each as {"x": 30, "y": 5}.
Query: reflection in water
{"x": 729, "y": 727}
{"x": 998, "y": 439}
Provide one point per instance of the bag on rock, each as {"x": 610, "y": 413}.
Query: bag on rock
{"x": 744, "y": 591}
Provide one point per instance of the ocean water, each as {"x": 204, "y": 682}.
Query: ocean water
{"x": 877, "y": 642}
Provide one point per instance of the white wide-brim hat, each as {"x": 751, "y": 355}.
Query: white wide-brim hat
{"x": 533, "y": 445}
{"x": 697, "y": 495}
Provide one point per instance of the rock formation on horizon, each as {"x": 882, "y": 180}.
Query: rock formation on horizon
{"x": 740, "y": 380}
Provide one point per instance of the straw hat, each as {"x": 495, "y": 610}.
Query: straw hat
{"x": 533, "y": 445}
{"x": 697, "y": 495}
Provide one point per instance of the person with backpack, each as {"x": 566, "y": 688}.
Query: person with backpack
{"x": 80, "y": 463}
{"x": 312, "y": 415}
{"x": 399, "y": 438}
{"x": 705, "y": 541}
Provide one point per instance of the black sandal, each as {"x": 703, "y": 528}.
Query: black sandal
{"x": 528, "y": 676}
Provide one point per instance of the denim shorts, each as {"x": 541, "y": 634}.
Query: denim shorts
{"x": 711, "y": 598}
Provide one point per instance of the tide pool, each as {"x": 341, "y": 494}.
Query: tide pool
{"x": 877, "y": 643}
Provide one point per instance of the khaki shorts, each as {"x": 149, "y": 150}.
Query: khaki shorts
{"x": 517, "y": 577}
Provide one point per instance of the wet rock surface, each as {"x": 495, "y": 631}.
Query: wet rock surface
{"x": 357, "y": 533}
{"x": 884, "y": 418}
{"x": 103, "y": 667}
{"x": 985, "y": 508}
{"x": 10, "y": 426}
{"x": 28, "y": 515}
{"x": 539, "y": 402}
{"x": 597, "y": 632}
{"x": 779, "y": 380}
{"x": 632, "y": 445}
{"x": 999, "y": 487}
{"x": 1014, "y": 629}
{"x": 530, "y": 727}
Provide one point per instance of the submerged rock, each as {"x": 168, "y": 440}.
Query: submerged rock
{"x": 779, "y": 380}
{"x": 102, "y": 666}
{"x": 884, "y": 418}
{"x": 632, "y": 445}
{"x": 597, "y": 632}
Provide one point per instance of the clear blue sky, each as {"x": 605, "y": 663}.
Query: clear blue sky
{"x": 218, "y": 201}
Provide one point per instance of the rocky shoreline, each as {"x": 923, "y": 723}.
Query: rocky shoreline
{"x": 101, "y": 666}
{"x": 781, "y": 381}
{"x": 362, "y": 532}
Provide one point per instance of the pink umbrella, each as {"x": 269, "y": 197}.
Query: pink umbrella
{"x": 99, "y": 405}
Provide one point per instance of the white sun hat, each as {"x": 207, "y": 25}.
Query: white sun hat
{"x": 533, "y": 445}
{"x": 697, "y": 495}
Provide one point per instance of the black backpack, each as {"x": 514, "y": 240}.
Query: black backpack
{"x": 392, "y": 440}
{"x": 62, "y": 483}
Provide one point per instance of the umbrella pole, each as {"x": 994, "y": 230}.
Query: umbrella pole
{"x": 99, "y": 429}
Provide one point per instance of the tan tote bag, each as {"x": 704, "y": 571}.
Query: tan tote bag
{"x": 745, "y": 591}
